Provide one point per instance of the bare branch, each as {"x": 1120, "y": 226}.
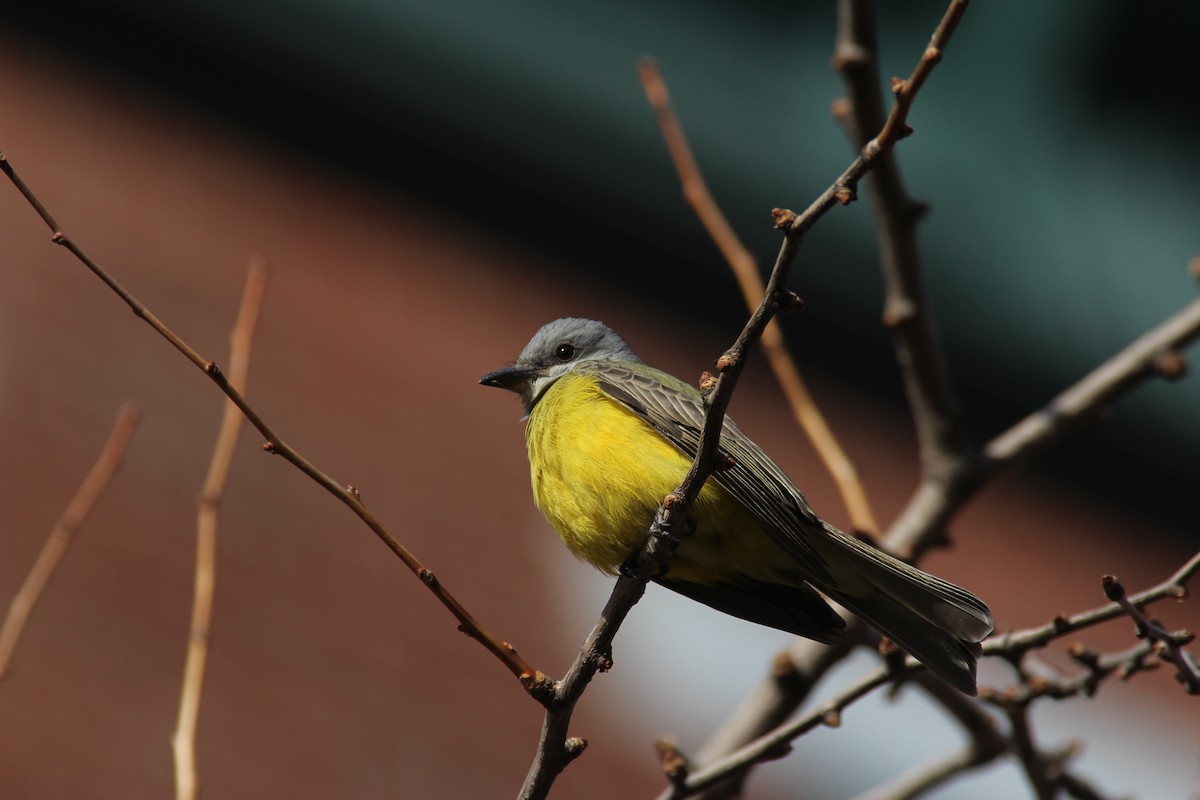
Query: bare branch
{"x": 1037, "y": 766}
{"x": 533, "y": 680}
{"x": 1048, "y": 772}
{"x": 1013, "y": 645}
{"x": 793, "y": 676}
{"x": 777, "y": 743}
{"x": 937, "y": 501}
{"x": 924, "y": 778}
{"x": 1144, "y": 358}
{"x": 76, "y": 512}
{"x": 183, "y": 741}
{"x": 875, "y": 151}
{"x": 1169, "y": 645}
{"x": 941, "y": 439}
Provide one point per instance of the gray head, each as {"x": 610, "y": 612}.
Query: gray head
{"x": 553, "y": 352}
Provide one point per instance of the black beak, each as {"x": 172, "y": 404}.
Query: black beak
{"x": 510, "y": 378}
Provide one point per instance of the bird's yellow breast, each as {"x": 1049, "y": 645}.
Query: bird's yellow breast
{"x": 599, "y": 474}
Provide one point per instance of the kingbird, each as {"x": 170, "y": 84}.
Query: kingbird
{"x": 608, "y": 437}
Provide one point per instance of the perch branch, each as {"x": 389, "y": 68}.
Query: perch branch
{"x": 76, "y": 512}
{"x": 926, "y": 380}
{"x": 183, "y": 741}
{"x": 533, "y": 680}
{"x": 804, "y": 408}
{"x": 554, "y": 751}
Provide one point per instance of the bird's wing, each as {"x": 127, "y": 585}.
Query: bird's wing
{"x": 936, "y": 621}
{"x": 676, "y": 411}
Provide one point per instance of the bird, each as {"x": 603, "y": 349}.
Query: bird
{"x": 608, "y": 437}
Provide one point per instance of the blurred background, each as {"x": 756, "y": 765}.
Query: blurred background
{"x": 432, "y": 182}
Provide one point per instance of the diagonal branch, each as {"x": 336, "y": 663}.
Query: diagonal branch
{"x": 935, "y": 408}
{"x": 804, "y": 408}
{"x": 925, "y": 778}
{"x": 946, "y": 488}
{"x": 533, "y": 680}
{"x": 777, "y": 743}
{"x": 97, "y": 480}
{"x": 1154, "y": 354}
{"x": 1169, "y": 645}
{"x": 1014, "y": 645}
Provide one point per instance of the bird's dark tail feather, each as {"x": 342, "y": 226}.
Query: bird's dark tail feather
{"x": 939, "y": 623}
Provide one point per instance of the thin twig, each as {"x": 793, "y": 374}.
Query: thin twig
{"x": 777, "y": 743}
{"x": 1186, "y": 670}
{"x": 64, "y": 530}
{"x": 794, "y": 674}
{"x": 536, "y": 683}
{"x": 183, "y": 741}
{"x": 1048, "y": 772}
{"x": 937, "y": 416}
{"x": 924, "y": 778}
{"x": 1154, "y": 354}
{"x": 875, "y": 151}
{"x": 804, "y": 408}
{"x": 1013, "y": 645}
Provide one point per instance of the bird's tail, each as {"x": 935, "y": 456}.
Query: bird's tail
{"x": 939, "y": 623}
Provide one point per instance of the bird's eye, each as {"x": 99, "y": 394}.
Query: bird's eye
{"x": 564, "y": 352}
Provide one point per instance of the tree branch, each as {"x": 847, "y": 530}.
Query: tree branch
{"x": 1155, "y": 353}
{"x": 76, "y": 512}
{"x": 183, "y": 741}
{"x": 777, "y": 743}
{"x": 941, "y": 439}
{"x": 939, "y": 428}
{"x": 533, "y": 680}
{"x": 1168, "y": 645}
{"x": 804, "y": 408}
